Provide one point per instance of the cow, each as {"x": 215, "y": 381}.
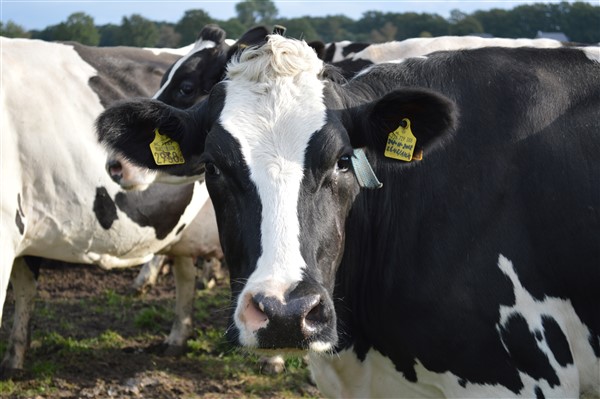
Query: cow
{"x": 337, "y": 51}
{"x": 192, "y": 76}
{"x": 190, "y": 80}
{"x": 184, "y": 84}
{"x": 428, "y": 229}
{"x": 57, "y": 200}
{"x": 377, "y": 53}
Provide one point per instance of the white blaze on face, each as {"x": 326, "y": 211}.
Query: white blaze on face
{"x": 274, "y": 104}
{"x": 198, "y": 46}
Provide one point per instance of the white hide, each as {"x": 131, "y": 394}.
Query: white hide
{"x": 394, "y": 50}
{"x": 51, "y": 159}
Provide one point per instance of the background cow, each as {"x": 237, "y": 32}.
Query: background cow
{"x": 192, "y": 77}
{"x": 57, "y": 200}
{"x": 183, "y": 84}
{"x": 472, "y": 272}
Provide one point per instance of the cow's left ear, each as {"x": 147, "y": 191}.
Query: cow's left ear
{"x": 429, "y": 116}
{"x": 252, "y": 37}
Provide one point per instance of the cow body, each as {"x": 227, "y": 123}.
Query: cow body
{"x": 57, "y": 200}
{"x": 472, "y": 272}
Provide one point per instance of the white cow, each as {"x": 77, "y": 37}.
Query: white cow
{"x": 57, "y": 200}
{"x": 354, "y": 57}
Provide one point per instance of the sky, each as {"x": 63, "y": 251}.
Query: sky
{"x": 38, "y": 14}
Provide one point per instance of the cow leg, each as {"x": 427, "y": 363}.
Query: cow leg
{"x": 146, "y": 278}
{"x": 24, "y": 289}
{"x": 272, "y": 365}
{"x": 185, "y": 288}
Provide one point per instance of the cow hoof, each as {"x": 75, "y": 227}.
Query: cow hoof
{"x": 272, "y": 365}
{"x": 174, "y": 350}
{"x": 164, "y": 349}
{"x": 7, "y": 373}
{"x": 139, "y": 290}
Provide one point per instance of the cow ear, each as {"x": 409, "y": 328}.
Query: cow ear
{"x": 252, "y": 37}
{"x": 129, "y": 127}
{"x": 319, "y": 48}
{"x": 213, "y": 33}
{"x": 429, "y": 116}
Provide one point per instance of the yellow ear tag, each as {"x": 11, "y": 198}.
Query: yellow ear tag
{"x": 165, "y": 150}
{"x": 401, "y": 143}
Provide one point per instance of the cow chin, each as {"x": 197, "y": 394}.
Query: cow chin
{"x": 174, "y": 179}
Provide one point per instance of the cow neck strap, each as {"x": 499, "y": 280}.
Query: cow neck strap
{"x": 363, "y": 170}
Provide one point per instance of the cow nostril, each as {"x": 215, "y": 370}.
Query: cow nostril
{"x": 254, "y": 314}
{"x": 316, "y": 316}
{"x": 115, "y": 170}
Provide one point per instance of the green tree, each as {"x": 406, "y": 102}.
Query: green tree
{"x": 334, "y": 28}
{"x": 385, "y": 34}
{"x": 190, "y": 25}
{"x": 300, "y": 28}
{"x": 233, "y": 27}
{"x": 370, "y": 21}
{"x": 253, "y": 12}
{"x": 138, "y": 31}
{"x": 496, "y": 22}
{"x": 167, "y": 37}
{"x": 531, "y": 18}
{"x": 411, "y": 24}
{"x": 110, "y": 35}
{"x": 11, "y": 29}
{"x": 78, "y": 27}
{"x": 580, "y": 22}
{"x": 466, "y": 26}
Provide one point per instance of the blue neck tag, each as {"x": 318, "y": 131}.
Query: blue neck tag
{"x": 363, "y": 171}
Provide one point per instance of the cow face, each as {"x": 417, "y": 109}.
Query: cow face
{"x": 278, "y": 147}
{"x": 184, "y": 84}
{"x": 192, "y": 77}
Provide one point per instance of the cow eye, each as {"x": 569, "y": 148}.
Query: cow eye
{"x": 211, "y": 169}
{"x": 186, "y": 88}
{"x": 344, "y": 163}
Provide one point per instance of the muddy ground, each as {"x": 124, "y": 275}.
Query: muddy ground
{"x": 93, "y": 339}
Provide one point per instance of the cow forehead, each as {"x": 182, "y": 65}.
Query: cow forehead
{"x": 274, "y": 103}
{"x": 198, "y": 46}
{"x": 273, "y": 106}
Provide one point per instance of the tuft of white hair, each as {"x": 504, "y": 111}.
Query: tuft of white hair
{"x": 278, "y": 57}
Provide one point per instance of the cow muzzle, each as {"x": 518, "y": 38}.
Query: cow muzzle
{"x": 304, "y": 322}
{"x": 127, "y": 175}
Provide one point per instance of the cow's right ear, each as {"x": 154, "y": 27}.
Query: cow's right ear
{"x": 129, "y": 127}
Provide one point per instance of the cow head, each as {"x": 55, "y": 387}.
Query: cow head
{"x": 276, "y": 141}
{"x": 184, "y": 84}
{"x": 191, "y": 77}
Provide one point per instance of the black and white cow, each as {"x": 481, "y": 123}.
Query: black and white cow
{"x": 57, "y": 200}
{"x": 337, "y": 51}
{"x": 377, "y": 53}
{"x": 184, "y": 83}
{"x": 193, "y": 76}
{"x": 472, "y": 272}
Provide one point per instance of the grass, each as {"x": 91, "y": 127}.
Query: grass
{"x": 102, "y": 341}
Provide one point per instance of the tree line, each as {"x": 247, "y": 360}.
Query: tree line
{"x": 579, "y": 21}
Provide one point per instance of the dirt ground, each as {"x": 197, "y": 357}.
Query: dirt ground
{"x": 81, "y": 303}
